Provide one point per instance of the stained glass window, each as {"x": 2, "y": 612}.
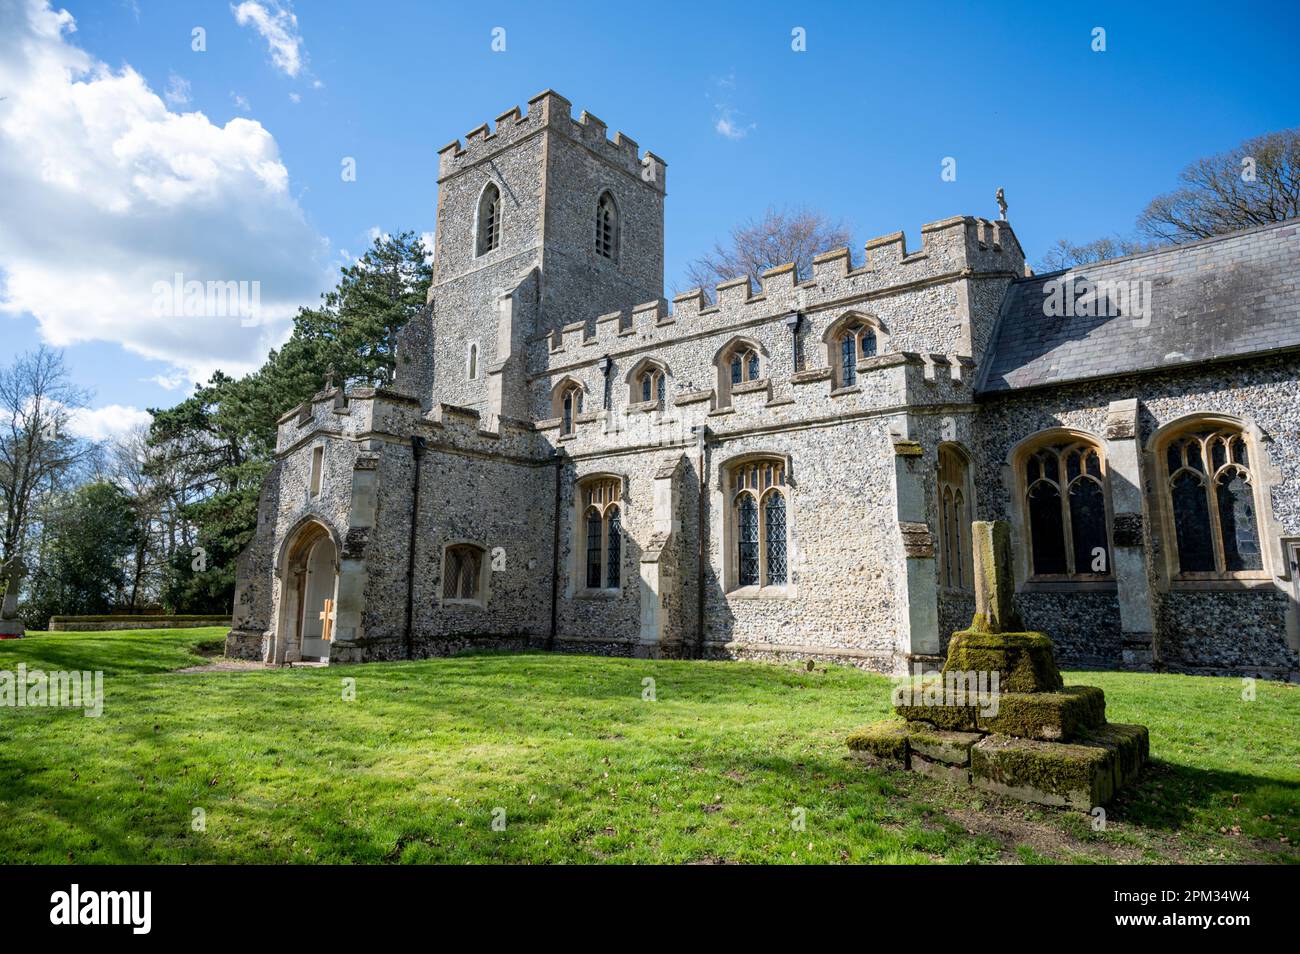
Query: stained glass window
{"x": 775, "y": 538}
{"x": 868, "y": 343}
{"x": 1212, "y": 503}
{"x": 659, "y": 388}
{"x": 614, "y": 549}
{"x": 593, "y": 548}
{"x": 848, "y": 360}
{"x": 753, "y": 366}
{"x": 748, "y": 532}
{"x": 645, "y": 386}
{"x": 736, "y": 370}
{"x": 1066, "y": 509}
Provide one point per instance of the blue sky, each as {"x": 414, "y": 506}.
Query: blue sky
{"x": 856, "y": 126}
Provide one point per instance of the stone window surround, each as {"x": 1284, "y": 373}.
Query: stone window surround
{"x": 485, "y": 575}
{"x": 617, "y": 240}
{"x": 1014, "y": 470}
{"x": 647, "y": 365}
{"x": 742, "y": 345}
{"x": 730, "y": 530}
{"x": 579, "y": 588}
{"x": 316, "y": 479}
{"x": 1156, "y": 465}
{"x": 473, "y": 360}
{"x": 830, "y": 344}
{"x": 475, "y": 235}
{"x": 565, "y": 386}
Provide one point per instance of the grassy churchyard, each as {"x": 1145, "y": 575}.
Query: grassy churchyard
{"x": 734, "y": 762}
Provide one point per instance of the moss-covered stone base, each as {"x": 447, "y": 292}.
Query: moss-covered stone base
{"x": 1081, "y": 774}
{"x": 1024, "y": 662}
{"x": 1051, "y": 716}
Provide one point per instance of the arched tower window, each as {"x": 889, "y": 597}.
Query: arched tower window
{"x": 489, "y": 220}
{"x": 1065, "y": 507}
{"x": 954, "y": 519}
{"x": 1209, "y": 488}
{"x": 758, "y": 497}
{"x": 472, "y": 361}
{"x": 606, "y": 226}
{"x": 602, "y": 532}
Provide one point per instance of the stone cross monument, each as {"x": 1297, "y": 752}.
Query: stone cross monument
{"x": 1000, "y": 718}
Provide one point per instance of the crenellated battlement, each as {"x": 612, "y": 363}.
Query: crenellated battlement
{"x": 549, "y": 109}
{"x": 951, "y": 248}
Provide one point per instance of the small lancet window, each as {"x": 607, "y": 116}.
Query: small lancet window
{"x": 489, "y": 220}
{"x": 606, "y": 226}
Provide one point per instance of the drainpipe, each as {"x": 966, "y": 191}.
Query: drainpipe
{"x": 417, "y": 454}
{"x": 558, "y": 456}
{"x": 702, "y": 443}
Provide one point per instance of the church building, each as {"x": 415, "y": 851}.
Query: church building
{"x": 567, "y": 461}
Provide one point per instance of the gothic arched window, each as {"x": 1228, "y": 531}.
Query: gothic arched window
{"x": 606, "y": 226}
{"x": 1065, "y": 510}
{"x": 758, "y": 492}
{"x": 855, "y": 342}
{"x": 462, "y": 573}
{"x": 650, "y": 385}
{"x": 738, "y": 364}
{"x": 954, "y": 519}
{"x": 602, "y": 528}
{"x": 489, "y": 220}
{"x": 568, "y": 405}
{"x": 1210, "y": 490}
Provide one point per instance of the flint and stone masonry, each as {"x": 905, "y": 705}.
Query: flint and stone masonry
{"x": 567, "y": 460}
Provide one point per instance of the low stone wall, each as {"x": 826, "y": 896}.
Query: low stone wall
{"x": 89, "y": 624}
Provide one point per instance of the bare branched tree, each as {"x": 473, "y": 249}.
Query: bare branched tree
{"x": 756, "y": 245}
{"x": 1254, "y": 184}
{"x": 37, "y": 398}
{"x": 1065, "y": 254}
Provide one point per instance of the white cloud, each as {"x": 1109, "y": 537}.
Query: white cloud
{"x": 178, "y": 90}
{"x": 102, "y": 423}
{"x": 295, "y": 98}
{"x": 107, "y": 192}
{"x": 240, "y": 102}
{"x": 728, "y": 127}
{"x": 279, "y": 27}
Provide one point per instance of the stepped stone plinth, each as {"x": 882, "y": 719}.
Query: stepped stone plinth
{"x": 999, "y": 716}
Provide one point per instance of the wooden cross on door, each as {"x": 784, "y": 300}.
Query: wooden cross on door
{"x": 327, "y": 621}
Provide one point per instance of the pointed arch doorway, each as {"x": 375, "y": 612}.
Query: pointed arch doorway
{"x": 309, "y": 596}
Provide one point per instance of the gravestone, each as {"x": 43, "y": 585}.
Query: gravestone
{"x": 999, "y": 716}
{"x": 11, "y": 627}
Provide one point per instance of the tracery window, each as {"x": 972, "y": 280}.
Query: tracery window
{"x": 855, "y": 342}
{"x": 603, "y": 532}
{"x": 489, "y": 220}
{"x": 1065, "y": 510}
{"x": 758, "y": 512}
{"x": 606, "y": 226}
{"x": 1210, "y": 492}
{"x": 462, "y": 573}
{"x": 954, "y": 519}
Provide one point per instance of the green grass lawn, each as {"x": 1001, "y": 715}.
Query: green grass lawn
{"x": 719, "y": 768}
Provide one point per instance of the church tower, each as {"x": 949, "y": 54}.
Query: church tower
{"x": 543, "y": 221}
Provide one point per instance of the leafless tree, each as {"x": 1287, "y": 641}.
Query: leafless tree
{"x": 1065, "y": 254}
{"x": 756, "y": 245}
{"x": 1254, "y": 184}
{"x": 37, "y": 451}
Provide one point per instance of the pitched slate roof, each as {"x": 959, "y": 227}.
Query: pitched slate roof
{"x": 1224, "y": 297}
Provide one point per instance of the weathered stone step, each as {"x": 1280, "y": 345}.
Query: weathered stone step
{"x": 1051, "y": 716}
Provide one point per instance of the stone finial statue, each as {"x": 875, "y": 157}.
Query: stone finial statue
{"x": 1002, "y": 204}
{"x": 12, "y": 573}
